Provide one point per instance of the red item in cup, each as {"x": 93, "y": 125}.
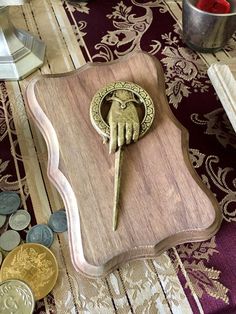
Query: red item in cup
{"x": 214, "y": 6}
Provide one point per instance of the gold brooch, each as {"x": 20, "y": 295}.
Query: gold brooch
{"x": 121, "y": 112}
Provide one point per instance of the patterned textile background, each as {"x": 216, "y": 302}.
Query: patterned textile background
{"x": 191, "y": 278}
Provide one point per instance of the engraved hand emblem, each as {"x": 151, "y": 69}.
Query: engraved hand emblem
{"x": 122, "y": 124}
{"x": 123, "y": 119}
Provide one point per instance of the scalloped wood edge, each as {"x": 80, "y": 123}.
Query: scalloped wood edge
{"x": 66, "y": 192}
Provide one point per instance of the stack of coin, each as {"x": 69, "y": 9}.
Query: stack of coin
{"x": 35, "y": 265}
{"x": 20, "y": 220}
{"x": 43, "y": 233}
{"x": 24, "y": 262}
{"x": 9, "y": 204}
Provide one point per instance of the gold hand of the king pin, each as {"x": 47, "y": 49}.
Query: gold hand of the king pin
{"x": 122, "y": 125}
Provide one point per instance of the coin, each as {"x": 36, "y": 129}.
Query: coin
{"x": 3, "y": 219}
{"x": 16, "y": 297}
{"x": 58, "y": 221}
{"x": 1, "y": 258}
{"x": 9, "y": 202}
{"x": 19, "y": 220}
{"x": 34, "y": 264}
{"x": 9, "y": 240}
{"x": 40, "y": 234}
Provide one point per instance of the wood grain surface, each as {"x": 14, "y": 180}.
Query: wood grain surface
{"x": 163, "y": 201}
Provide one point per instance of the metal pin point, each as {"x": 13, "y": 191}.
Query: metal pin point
{"x": 118, "y": 165}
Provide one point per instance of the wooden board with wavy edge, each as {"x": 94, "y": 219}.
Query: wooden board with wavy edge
{"x": 163, "y": 201}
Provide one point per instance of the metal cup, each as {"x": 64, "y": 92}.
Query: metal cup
{"x": 207, "y": 32}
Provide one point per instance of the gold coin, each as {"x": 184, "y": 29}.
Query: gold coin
{"x": 16, "y": 297}
{"x": 34, "y": 264}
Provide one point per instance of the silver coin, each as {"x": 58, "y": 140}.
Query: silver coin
{"x": 1, "y": 258}
{"x": 9, "y": 202}
{"x": 58, "y": 221}
{"x": 16, "y": 297}
{"x": 3, "y": 219}
{"x": 9, "y": 240}
{"x": 41, "y": 234}
{"x": 19, "y": 220}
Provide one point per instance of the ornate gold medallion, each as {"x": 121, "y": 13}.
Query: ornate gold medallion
{"x": 35, "y": 265}
{"x": 137, "y": 95}
{"x": 115, "y": 113}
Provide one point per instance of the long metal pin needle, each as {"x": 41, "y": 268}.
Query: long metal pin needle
{"x": 118, "y": 164}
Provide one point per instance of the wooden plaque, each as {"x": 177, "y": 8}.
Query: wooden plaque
{"x": 163, "y": 201}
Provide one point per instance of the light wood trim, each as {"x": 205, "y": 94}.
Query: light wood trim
{"x": 223, "y": 78}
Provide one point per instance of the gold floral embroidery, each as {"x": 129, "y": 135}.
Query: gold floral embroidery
{"x": 79, "y": 6}
{"x": 218, "y": 176}
{"x": 6, "y": 184}
{"x": 143, "y": 288}
{"x": 182, "y": 61}
{"x": 204, "y": 279}
{"x": 184, "y": 71}
{"x": 172, "y": 288}
{"x": 5, "y": 109}
{"x": 217, "y": 124}
{"x": 198, "y": 250}
{"x": 3, "y": 165}
{"x": 93, "y": 294}
{"x": 176, "y": 90}
{"x": 196, "y": 157}
{"x": 129, "y": 30}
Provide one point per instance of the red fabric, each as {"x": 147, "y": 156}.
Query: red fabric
{"x": 214, "y": 6}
